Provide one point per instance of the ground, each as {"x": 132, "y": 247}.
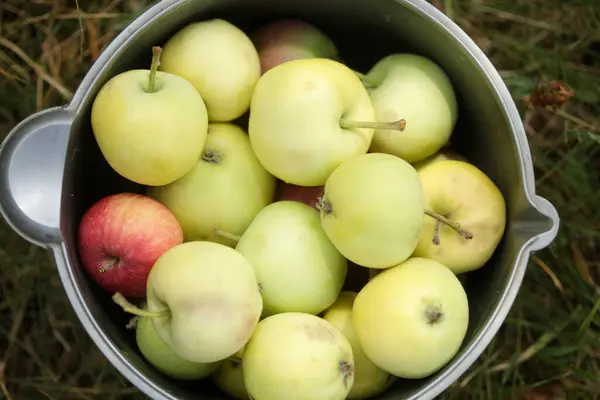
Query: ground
{"x": 537, "y": 354}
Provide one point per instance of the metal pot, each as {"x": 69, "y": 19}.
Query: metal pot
{"x": 51, "y": 169}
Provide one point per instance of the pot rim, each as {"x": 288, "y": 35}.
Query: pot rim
{"x": 459, "y": 365}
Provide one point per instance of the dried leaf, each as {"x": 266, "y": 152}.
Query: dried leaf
{"x": 549, "y": 95}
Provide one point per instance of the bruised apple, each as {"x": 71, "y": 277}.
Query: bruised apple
{"x": 204, "y": 300}
{"x": 298, "y": 356}
{"x": 224, "y": 191}
{"x": 411, "y": 319}
{"x": 369, "y": 379}
{"x": 373, "y": 209}
{"x": 296, "y": 265}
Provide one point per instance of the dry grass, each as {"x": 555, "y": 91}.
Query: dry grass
{"x": 549, "y": 345}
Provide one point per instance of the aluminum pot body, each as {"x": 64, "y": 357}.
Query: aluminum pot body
{"x": 51, "y": 169}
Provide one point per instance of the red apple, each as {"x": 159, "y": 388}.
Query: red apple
{"x": 303, "y": 194}
{"x": 290, "y": 39}
{"x": 121, "y": 237}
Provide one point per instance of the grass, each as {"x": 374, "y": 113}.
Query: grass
{"x": 549, "y": 347}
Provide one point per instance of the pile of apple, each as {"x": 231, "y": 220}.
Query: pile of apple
{"x": 237, "y": 262}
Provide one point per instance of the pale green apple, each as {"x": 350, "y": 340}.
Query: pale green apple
{"x": 444, "y": 154}
{"x": 463, "y": 193}
{"x": 229, "y": 377}
{"x": 225, "y": 190}
{"x": 369, "y": 379}
{"x": 296, "y": 265}
{"x": 298, "y": 356}
{"x": 164, "y": 358}
{"x": 300, "y": 120}
{"x": 210, "y": 298}
{"x": 373, "y": 210}
{"x": 220, "y": 60}
{"x": 149, "y": 125}
{"x": 411, "y": 319}
{"x": 416, "y": 89}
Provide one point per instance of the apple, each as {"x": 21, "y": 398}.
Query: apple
{"x": 204, "y": 300}
{"x": 461, "y": 191}
{"x": 411, "y": 319}
{"x": 229, "y": 377}
{"x": 444, "y": 154}
{"x": 289, "y": 39}
{"x": 149, "y": 125}
{"x": 298, "y": 356}
{"x": 308, "y": 195}
{"x": 308, "y": 116}
{"x": 373, "y": 209}
{"x": 296, "y": 265}
{"x": 224, "y": 191}
{"x": 369, "y": 379}
{"x": 121, "y": 236}
{"x": 416, "y": 89}
{"x": 220, "y": 60}
{"x": 164, "y": 358}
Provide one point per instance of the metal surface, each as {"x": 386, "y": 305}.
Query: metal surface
{"x": 51, "y": 169}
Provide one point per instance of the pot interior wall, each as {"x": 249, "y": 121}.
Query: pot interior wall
{"x": 364, "y": 31}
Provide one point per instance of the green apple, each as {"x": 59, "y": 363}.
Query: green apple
{"x": 308, "y": 116}
{"x": 369, "y": 379}
{"x": 461, "y": 191}
{"x": 298, "y": 356}
{"x": 224, "y": 191}
{"x": 296, "y": 265}
{"x": 414, "y": 88}
{"x": 411, "y": 319}
{"x": 204, "y": 299}
{"x": 164, "y": 358}
{"x": 149, "y": 125}
{"x": 221, "y": 62}
{"x": 372, "y": 209}
{"x": 444, "y": 154}
{"x": 229, "y": 377}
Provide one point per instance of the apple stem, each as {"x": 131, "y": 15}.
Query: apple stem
{"x": 436, "y": 233}
{"x": 452, "y": 224}
{"x": 227, "y": 235}
{"x": 132, "y": 309}
{"x": 109, "y": 264}
{"x": 156, "y": 51}
{"x": 399, "y": 125}
{"x": 365, "y": 79}
{"x": 132, "y": 324}
{"x": 235, "y": 359}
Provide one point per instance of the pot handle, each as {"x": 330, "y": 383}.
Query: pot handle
{"x": 32, "y": 159}
{"x": 548, "y": 212}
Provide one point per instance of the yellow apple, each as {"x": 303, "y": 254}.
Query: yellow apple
{"x": 164, "y": 358}
{"x": 296, "y": 265}
{"x": 369, "y": 379}
{"x": 224, "y": 191}
{"x": 414, "y": 88}
{"x": 460, "y": 191}
{"x": 411, "y": 319}
{"x": 149, "y": 125}
{"x": 220, "y": 60}
{"x": 443, "y": 154}
{"x": 372, "y": 209}
{"x": 298, "y": 356}
{"x": 294, "y": 123}
{"x": 205, "y": 300}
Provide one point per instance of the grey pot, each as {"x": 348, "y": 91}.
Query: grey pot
{"x": 51, "y": 169}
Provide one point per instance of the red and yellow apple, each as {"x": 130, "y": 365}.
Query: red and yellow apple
{"x": 120, "y": 238}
